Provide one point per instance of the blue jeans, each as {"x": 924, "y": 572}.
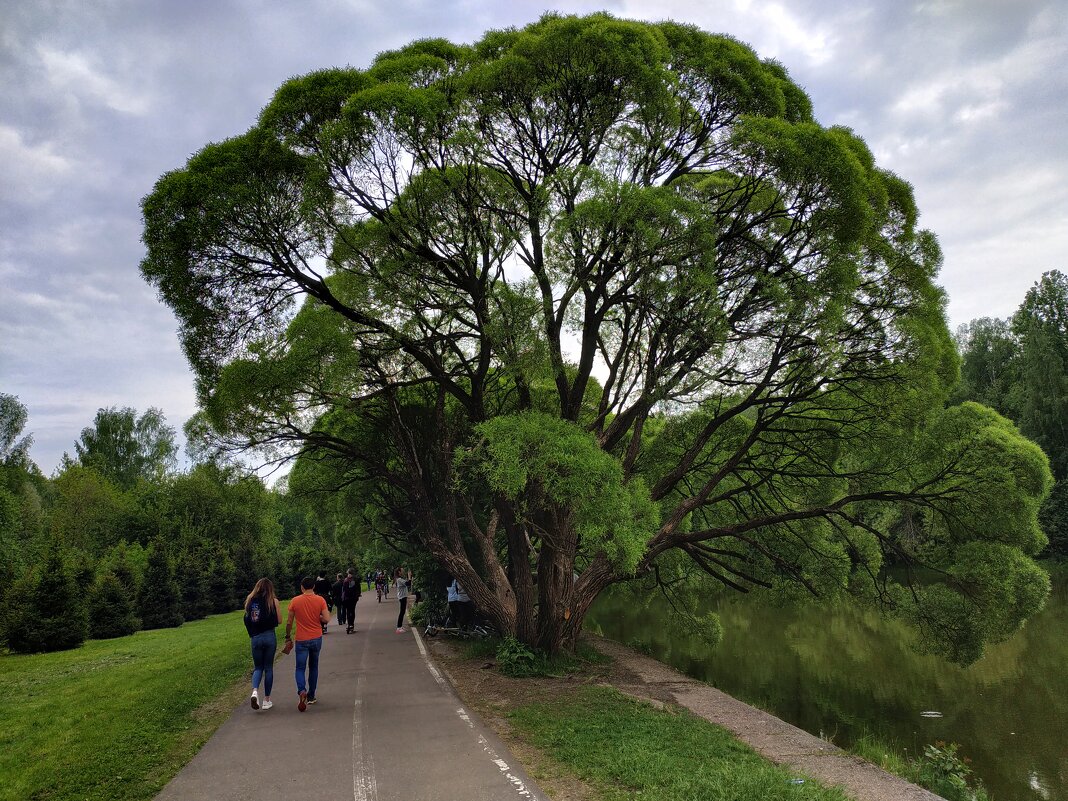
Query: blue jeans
{"x": 264, "y": 645}
{"x": 308, "y": 656}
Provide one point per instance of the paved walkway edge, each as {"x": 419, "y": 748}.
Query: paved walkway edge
{"x": 774, "y": 739}
{"x": 491, "y": 744}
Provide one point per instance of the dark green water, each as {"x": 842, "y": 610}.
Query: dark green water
{"x": 843, "y": 672}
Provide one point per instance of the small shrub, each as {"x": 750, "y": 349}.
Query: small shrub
{"x": 516, "y": 659}
{"x": 942, "y": 771}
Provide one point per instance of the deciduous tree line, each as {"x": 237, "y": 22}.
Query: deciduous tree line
{"x": 119, "y": 540}
{"x": 1019, "y": 366}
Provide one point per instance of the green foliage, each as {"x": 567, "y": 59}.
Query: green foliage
{"x": 940, "y": 769}
{"x": 1053, "y": 517}
{"x": 46, "y": 610}
{"x": 10, "y": 557}
{"x": 126, "y": 448}
{"x": 988, "y": 371}
{"x": 159, "y": 601}
{"x": 1041, "y": 326}
{"x": 222, "y": 581}
{"x": 89, "y": 511}
{"x": 111, "y": 608}
{"x": 516, "y": 659}
{"x": 552, "y": 464}
{"x": 1020, "y": 368}
{"x": 14, "y": 449}
{"x": 191, "y": 575}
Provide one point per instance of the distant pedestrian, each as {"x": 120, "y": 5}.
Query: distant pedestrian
{"x": 322, "y": 589}
{"x": 310, "y": 612}
{"x": 335, "y": 593}
{"x": 262, "y": 616}
{"x": 463, "y": 611}
{"x": 401, "y": 579}
{"x": 350, "y": 594}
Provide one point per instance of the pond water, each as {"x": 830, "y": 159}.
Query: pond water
{"x": 842, "y": 672}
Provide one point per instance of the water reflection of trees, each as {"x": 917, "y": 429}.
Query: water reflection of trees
{"x": 846, "y": 671}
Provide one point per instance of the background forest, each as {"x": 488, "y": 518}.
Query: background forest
{"x": 120, "y": 539}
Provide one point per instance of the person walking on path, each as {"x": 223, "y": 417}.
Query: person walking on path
{"x": 401, "y": 580}
{"x": 262, "y": 616}
{"x": 322, "y": 589}
{"x": 350, "y": 594}
{"x": 335, "y": 593}
{"x": 310, "y": 612}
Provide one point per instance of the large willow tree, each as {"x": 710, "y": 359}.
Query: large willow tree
{"x": 596, "y": 299}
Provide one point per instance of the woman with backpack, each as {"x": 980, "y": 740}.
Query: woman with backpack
{"x": 262, "y": 616}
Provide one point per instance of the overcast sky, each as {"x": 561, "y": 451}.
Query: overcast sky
{"x": 966, "y": 99}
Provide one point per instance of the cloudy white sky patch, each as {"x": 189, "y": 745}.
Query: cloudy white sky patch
{"x": 965, "y": 99}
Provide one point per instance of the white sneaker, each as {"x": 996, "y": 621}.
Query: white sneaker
{"x": 401, "y": 631}
{"x": 267, "y": 705}
{"x": 255, "y": 699}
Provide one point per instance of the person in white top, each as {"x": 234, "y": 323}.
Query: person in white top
{"x": 400, "y": 580}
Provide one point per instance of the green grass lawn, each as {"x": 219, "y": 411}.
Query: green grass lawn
{"x": 627, "y": 749}
{"x": 116, "y": 719}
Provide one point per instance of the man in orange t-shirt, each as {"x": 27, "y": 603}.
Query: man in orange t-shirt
{"x": 310, "y": 612}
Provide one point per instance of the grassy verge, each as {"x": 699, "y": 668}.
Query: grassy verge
{"x": 625, "y": 748}
{"x": 116, "y": 719}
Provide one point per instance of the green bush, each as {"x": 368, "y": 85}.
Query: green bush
{"x": 111, "y": 611}
{"x": 516, "y": 659}
{"x": 942, "y": 771}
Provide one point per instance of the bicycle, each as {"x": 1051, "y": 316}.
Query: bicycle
{"x": 480, "y": 628}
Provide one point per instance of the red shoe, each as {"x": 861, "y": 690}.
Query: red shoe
{"x": 302, "y": 704}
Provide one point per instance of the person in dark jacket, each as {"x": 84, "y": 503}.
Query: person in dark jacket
{"x": 335, "y": 593}
{"x": 350, "y": 594}
{"x": 322, "y": 589}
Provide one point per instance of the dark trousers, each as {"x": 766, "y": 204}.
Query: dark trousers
{"x": 350, "y": 612}
{"x": 403, "y": 606}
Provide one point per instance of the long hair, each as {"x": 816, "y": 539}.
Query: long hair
{"x": 264, "y": 589}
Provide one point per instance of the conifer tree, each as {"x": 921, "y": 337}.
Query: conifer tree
{"x": 47, "y": 610}
{"x": 193, "y": 583}
{"x": 111, "y": 608}
{"x": 159, "y": 601}
{"x": 221, "y": 582}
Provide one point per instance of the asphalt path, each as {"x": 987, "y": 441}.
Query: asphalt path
{"x": 387, "y": 727}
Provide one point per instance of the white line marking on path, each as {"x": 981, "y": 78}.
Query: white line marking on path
{"x": 516, "y": 782}
{"x": 503, "y": 766}
{"x": 364, "y": 785}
